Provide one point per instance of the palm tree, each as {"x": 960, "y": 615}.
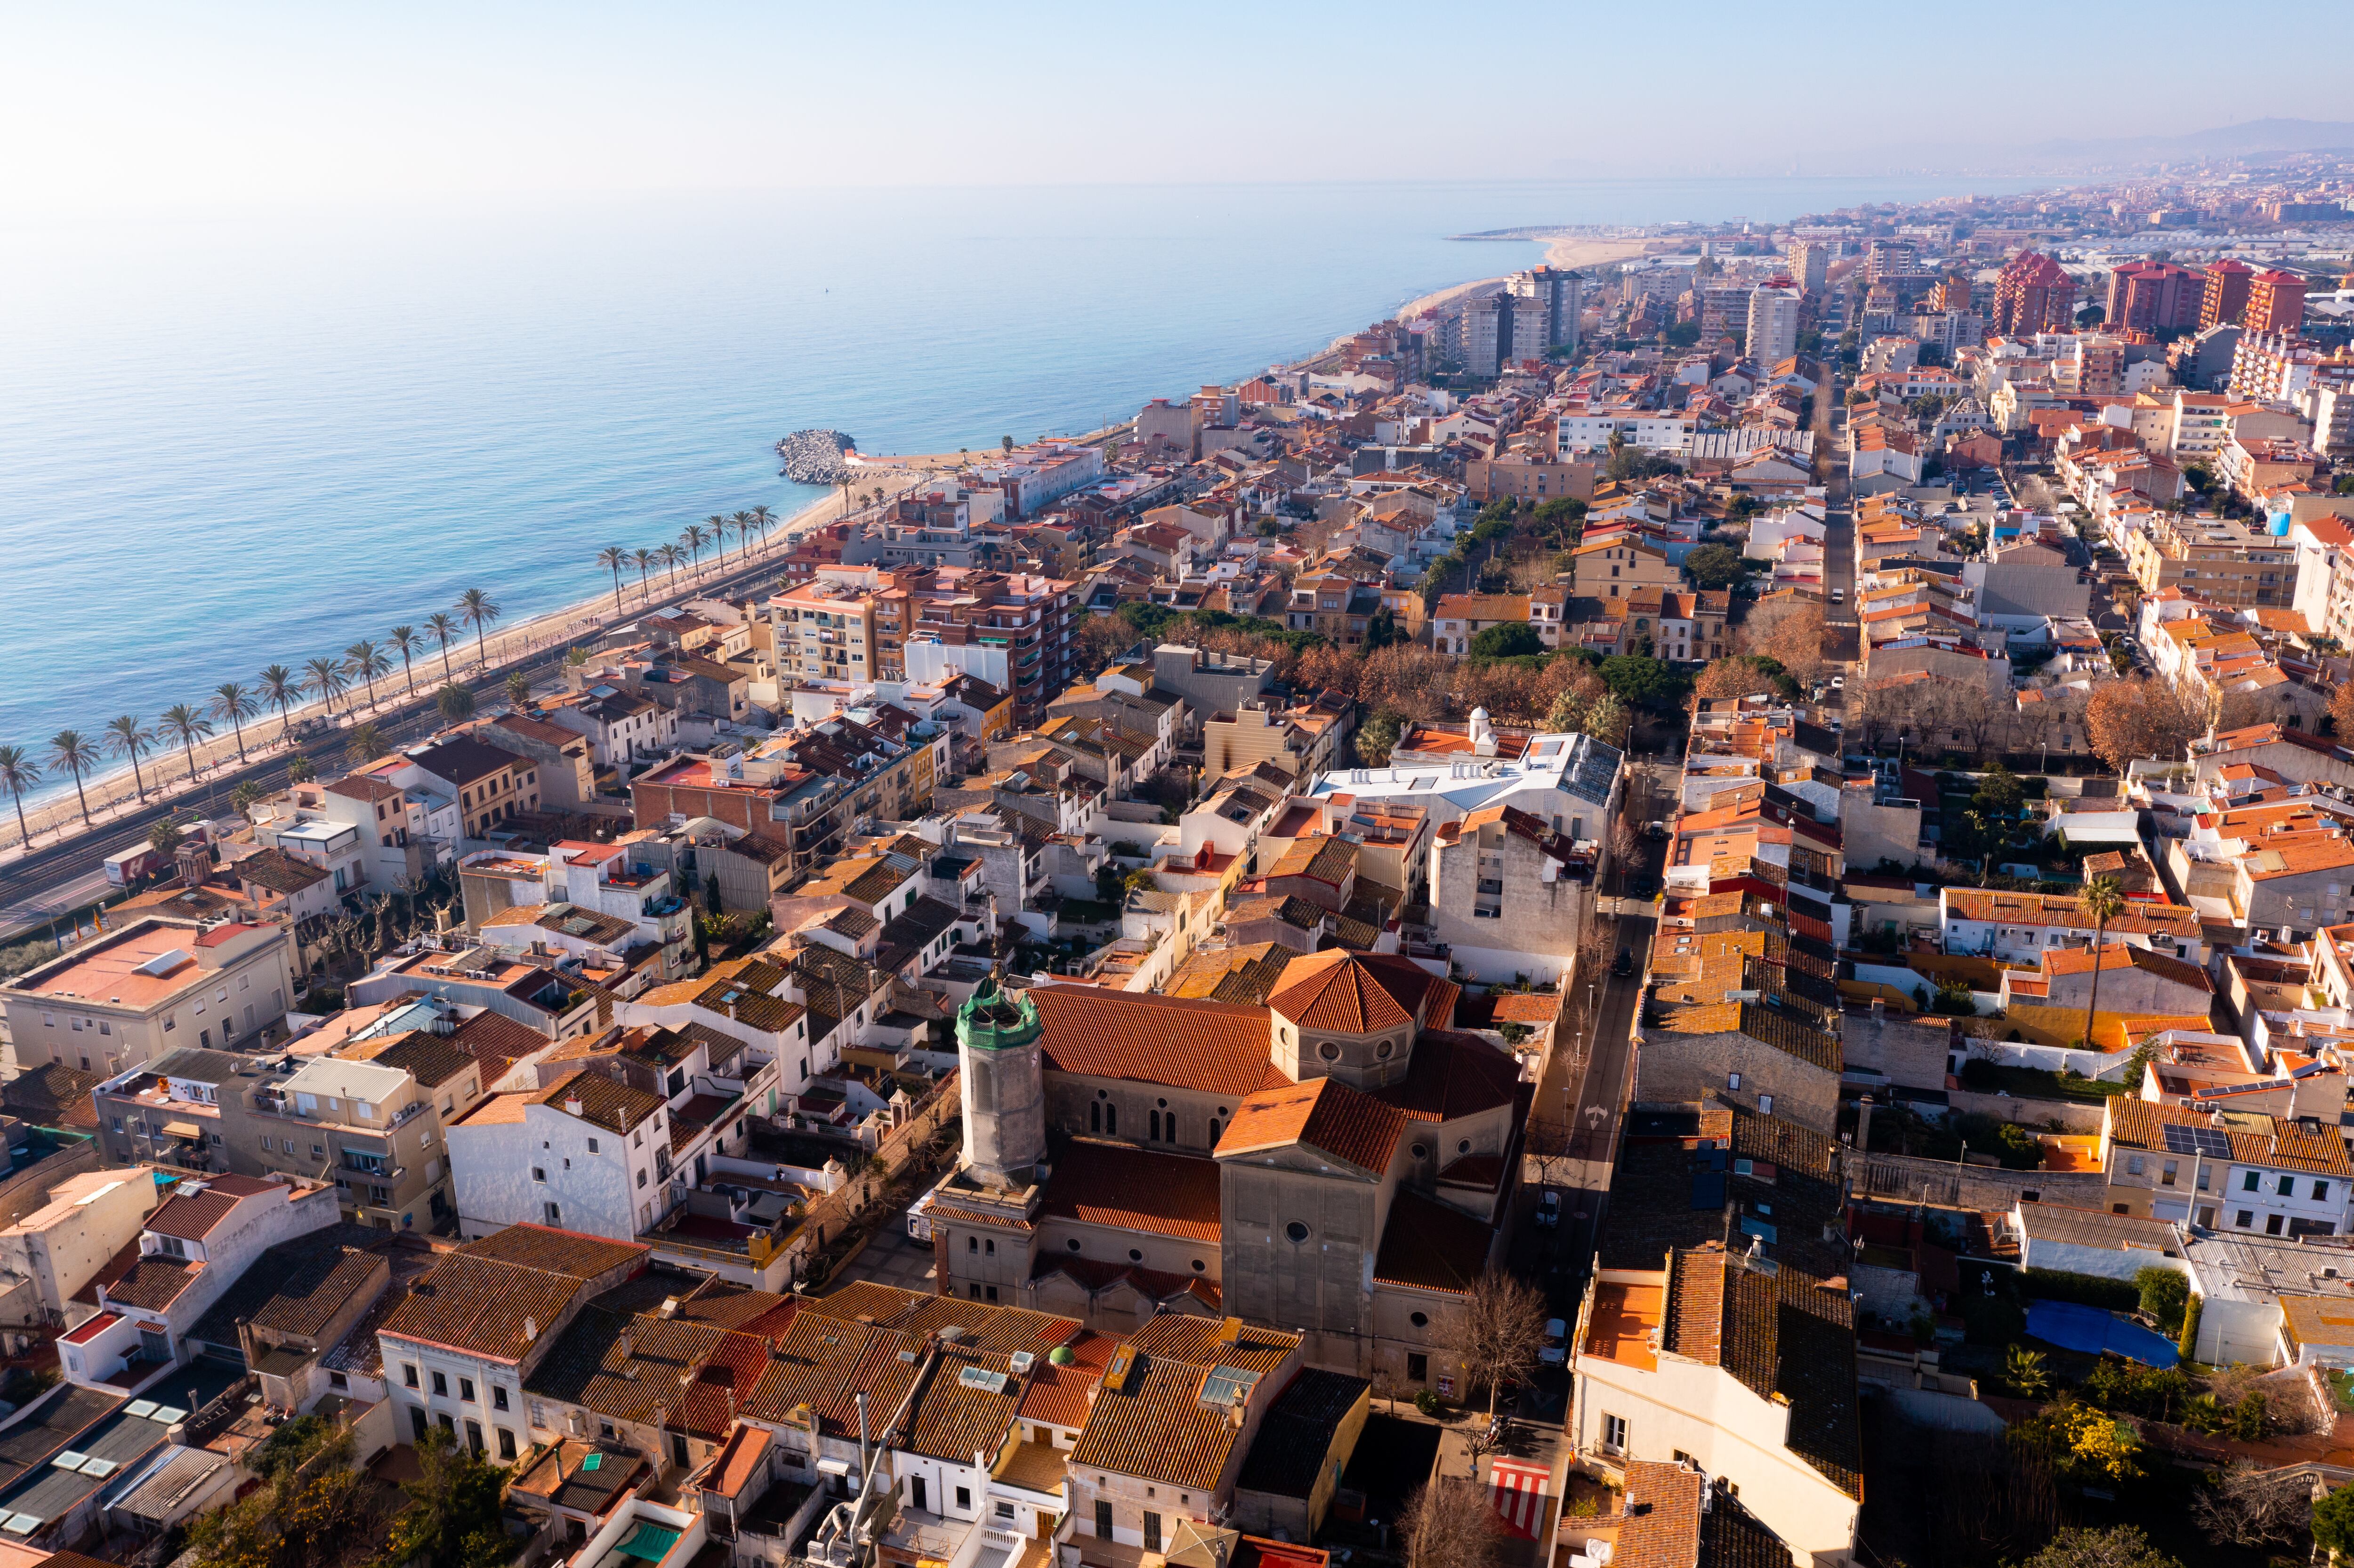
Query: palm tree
{"x": 743, "y": 524}
{"x": 324, "y": 679}
{"x": 718, "y": 527}
{"x": 301, "y": 770}
{"x": 366, "y": 661}
{"x": 518, "y": 690}
{"x": 644, "y": 560}
{"x": 70, "y": 750}
{"x": 406, "y": 641}
{"x": 763, "y": 519}
{"x": 671, "y": 556}
{"x": 364, "y": 744}
{"x": 187, "y": 725}
{"x": 475, "y": 608}
{"x": 612, "y": 558}
{"x": 443, "y": 630}
{"x": 20, "y": 773}
{"x": 126, "y": 736}
{"x": 693, "y": 538}
{"x": 232, "y": 702}
{"x": 2101, "y": 903}
{"x": 455, "y": 703}
{"x": 279, "y": 687}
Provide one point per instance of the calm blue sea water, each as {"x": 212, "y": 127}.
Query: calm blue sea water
{"x": 230, "y": 440}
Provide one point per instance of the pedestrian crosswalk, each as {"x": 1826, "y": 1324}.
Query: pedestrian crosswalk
{"x": 1517, "y": 1493}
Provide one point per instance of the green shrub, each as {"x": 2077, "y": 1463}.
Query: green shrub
{"x": 1978, "y": 1074}
{"x": 2165, "y": 1296}
{"x": 2132, "y": 1389}
{"x": 2088, "y": 1289}
{"x": 1426, "y": 1402}
{"x": 2188, "y": 1343}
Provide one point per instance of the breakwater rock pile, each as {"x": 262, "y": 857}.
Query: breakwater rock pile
{"x": 814, "y": 457}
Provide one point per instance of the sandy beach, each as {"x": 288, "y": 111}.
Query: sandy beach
{"x": 1578, "y": 251}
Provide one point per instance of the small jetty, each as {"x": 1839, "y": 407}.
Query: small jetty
{"x": 815, "y": 457}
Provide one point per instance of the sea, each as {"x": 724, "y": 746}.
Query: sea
{"x": 230, "y": 439}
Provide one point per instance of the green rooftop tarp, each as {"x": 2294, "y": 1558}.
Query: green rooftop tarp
{"x": 650, "y": 1542}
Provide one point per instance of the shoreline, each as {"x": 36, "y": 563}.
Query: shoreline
{"x": 57, "y": 810}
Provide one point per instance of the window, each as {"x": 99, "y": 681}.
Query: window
{"x": 2320, "y": 1191}
{"x": 539, "y": 1173}
{"x": 2288, "y": 1186}
{"x": 972, "y": 1244}
{"x": 2133, "y": 1164}
{"x": 1296, "y": 1231}
{"x": 2253, "y": 1182}
{"x": 1103, "y": 1519}
{"x": 2166, "y": 1175}
{"x": 1151, "y": 1530}
{"x": 641, "y": 1178}
{"x": 507, "y": 1444}
{"x": 554, "y": 1217}
{"x": 964, "y": 1497}
{"x": 466, "y": 1389}
{"x": 592, "y": 1146}
{"x": 1614, "y": 1434}
{"x": 1765, "y": 1105}
{"x": 408, "y": 1375}
{"x": 1417, "y": 1366}
{"x": 1732, "y": 1080}
{"x": 2244, "y": 1218}
{"x": 2272, "y": 1224}
{"x": 1005, "y": 1511}
{"x": 441, "y": 1386}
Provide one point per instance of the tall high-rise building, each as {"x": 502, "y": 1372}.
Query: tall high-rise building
{"x": 1486, "y": 334}
{"x": 1773, "y": 322}
{"x": 1811, "y": 264}
{"x": 2153, "y": 296}
{"x": 2225, "y": 301}
{"x": 2033, "y": 293}
{"x": 2275, "y": 302}
{"x": 1546, "y": 305}
{"x": 1952, "y": 294}
{"x": 1889, "y": 257}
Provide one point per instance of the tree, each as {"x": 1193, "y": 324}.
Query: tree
{"x": 406, "y": 641}
{"x": 1449, "y": 1523}
{"x": 2142, "y": 717}
{"x": 1378, "y": 735}
{"x": 313, "y": 1508}
{"x": 2000, "y": 793}
{"x": 2333, "y": 1522}
{"x": 232, "y": 702}
{"x": 187, "y": 725}
{"x": 127, "y": 736}
{"x": 612, "y": 558}
{"x": 2119, "y": 1546}
{"x": 165, "y": 837}
{"x": 301, "y": 770}
{"x": 366, "y": 660}
{"x": 1498, "y": 1333}
{"x": 518, "y": 689}
{"x": 2165, "y": 1295}
{"x": 671, "y": 556}
{"x": 475, "y": 608}
{"x": 693, "y": 538}
{"x": 20, "y": 773}
{"x": 2023, "y": 1370}
{"x": 2102, "y": 902}
{"x": 644, "y": 560}
{"x": 245, "y": 797}
{"x": 1516, "y": 640}
{"x": 279, "y": 686}
{"x": 455, "y": 703}
{"x": 443, "y": 630}
{"x": 718, "y": 525}
{"x": 763, "y": 519}
{"x": 1787, "y": 630}
{"x": 1738, "y": 675}
{"x": 1643, "y": 682}
{"x": 323, "y": 679}
{"x": 711, "y": 900}
{"x": 2249, "y": 1507}
{"x": 364, "y": 744}
{"x": 1716, "y": 566}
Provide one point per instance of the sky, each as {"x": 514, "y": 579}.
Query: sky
{"x": 111, "y": 106}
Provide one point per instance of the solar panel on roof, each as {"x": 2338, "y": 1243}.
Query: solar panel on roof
{"x": 2209, "y": 1141}
{"x": 981, "y": 1378}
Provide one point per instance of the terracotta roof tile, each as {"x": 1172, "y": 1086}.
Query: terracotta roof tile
{"x": 1210, "y": 1046}
{"x": 1135, "y": 1189}
{"x": 1322, "y": 1114}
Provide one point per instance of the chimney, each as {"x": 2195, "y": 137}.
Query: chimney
{"x": 572, "y": 1106}
{"x": 530, "y": 1330}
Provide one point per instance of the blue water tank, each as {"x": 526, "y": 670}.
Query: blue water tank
{"x": 2280, "y": 524}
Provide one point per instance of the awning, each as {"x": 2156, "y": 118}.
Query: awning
{"x": 834, "y": 1467}
{"x": 183, "y": 1130}
{"x": 650, "y": 1542}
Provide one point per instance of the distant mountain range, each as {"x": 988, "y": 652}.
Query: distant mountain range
{"x": 2244, "y": 140}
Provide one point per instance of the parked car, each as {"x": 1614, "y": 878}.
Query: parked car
{"x": 1838, "y": 683}
{"x": 1557, "y": 1343}
{"x": 1655, "y": 830}
{"x": 1644, "y": 885}
{"x": 1625, "y": 962}
{"x": 1548, "y": 1213}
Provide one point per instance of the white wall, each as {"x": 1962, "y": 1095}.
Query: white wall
{"x": 600, "y": 1192}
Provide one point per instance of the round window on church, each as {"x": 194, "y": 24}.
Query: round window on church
{"x": 1328, "y": 1050}
{"x": 1134, "y": 1256}
{"x": 1384, "y": 1049}
{"x": 1421, "y": 1151}
{"x": 1464, "y": 1147}
{"x": 1296, "y": 1231}
{"x": 1073, "y": 1243}
{"x": 1200, "y": 1267}
{"x": 1419, "y": 1320}
{"x": 1163, "y": 1104}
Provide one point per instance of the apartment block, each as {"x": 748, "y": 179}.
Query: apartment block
{"x": 124, "y": 997}
{"x": 2223, "y": 560}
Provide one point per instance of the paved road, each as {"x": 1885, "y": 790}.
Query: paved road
{"x": 1590, "y": 1073}
{"x": 67, "y": 876}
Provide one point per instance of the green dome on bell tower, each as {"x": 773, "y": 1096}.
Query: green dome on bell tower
{"x": 993, "y": 1018}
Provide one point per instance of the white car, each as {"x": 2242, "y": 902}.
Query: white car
{"x": 1838, "y": 683}
{"x": 1557, "y": 1343}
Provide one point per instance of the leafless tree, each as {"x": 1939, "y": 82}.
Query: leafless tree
{"x": 2249, "y": 1507}
{"x": 1498, "y": 1333}
{"x": 1448, "y": 1524}
{"x": 1789, "y": 630}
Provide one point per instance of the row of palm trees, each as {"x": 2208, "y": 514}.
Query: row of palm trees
{"x": 688, "y": 548}
{"x": 326, "y": 679}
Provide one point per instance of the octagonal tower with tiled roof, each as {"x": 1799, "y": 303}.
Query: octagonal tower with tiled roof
{"x": 1002, "y": 1081}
